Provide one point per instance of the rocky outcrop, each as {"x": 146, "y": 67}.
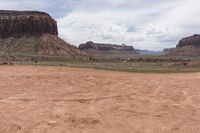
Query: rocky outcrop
{"x": 19, "y": 23}
{"x": 105, "y": 47}
{"x": 190, "y": 41}
{"x": 189, "y": 46}
{"x": 109, "y": 50}
{"x": 32, "y": 33}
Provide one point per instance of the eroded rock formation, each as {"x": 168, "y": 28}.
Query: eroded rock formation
{"x": 189, "y": 46}
{"x": 19, "y": 23}
{"x": 190, "y": 41}
{"x": 32, "y": 33}
{"x": 108, "y": 50}
{"x": 105, "y": 47}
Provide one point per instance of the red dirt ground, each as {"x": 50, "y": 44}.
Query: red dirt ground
{"x": 38, "y": 99}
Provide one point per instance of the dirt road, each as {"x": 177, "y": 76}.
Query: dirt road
{"x": 71, "y": 100}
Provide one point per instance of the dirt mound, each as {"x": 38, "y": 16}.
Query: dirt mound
{"x": 44, "y": 45}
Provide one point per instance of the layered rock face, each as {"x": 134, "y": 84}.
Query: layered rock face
{"x": 189, "y": 46}
{"x": 19, "y": 23}
{"x": 32, "y": 33}
{"x": 105, "y": 47}
{"x": 190, "y": 41}
{"x": 108, "y": 50}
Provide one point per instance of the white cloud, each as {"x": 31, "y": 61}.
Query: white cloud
{"x": 112, "y": 25}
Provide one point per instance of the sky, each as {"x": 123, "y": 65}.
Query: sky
{"x": 144, "y": 24}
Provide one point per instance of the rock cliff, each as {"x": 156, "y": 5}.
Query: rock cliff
{"x": 108, "y": 50}
{"x": 19, "y": 23}
{"x": 189, "y": 46}
{"x": 190, "y": 41}
{"x": 105, "y": 47}
{"x": 32, "y": 33}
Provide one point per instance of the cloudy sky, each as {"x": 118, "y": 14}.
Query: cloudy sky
{"x": 145, "y": 24}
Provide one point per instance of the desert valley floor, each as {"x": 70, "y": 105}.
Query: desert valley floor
{"x": 43, "y": 99}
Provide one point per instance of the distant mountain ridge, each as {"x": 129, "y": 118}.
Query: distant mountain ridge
{"x": 149, "y": 52}
{"x": 108, "y": 50}
{"x": 105, "y": 47}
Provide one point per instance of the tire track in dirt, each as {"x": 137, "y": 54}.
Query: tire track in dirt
{"x": 58, "y": 99}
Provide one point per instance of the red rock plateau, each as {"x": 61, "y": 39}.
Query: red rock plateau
{"x": 32, "y": 33}
{"x": 187, "y": 46}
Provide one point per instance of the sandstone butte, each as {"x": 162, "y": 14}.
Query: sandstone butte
{"x": 32, "y": 33}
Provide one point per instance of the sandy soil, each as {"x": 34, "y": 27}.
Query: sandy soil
{"x": 71, "y": 100}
